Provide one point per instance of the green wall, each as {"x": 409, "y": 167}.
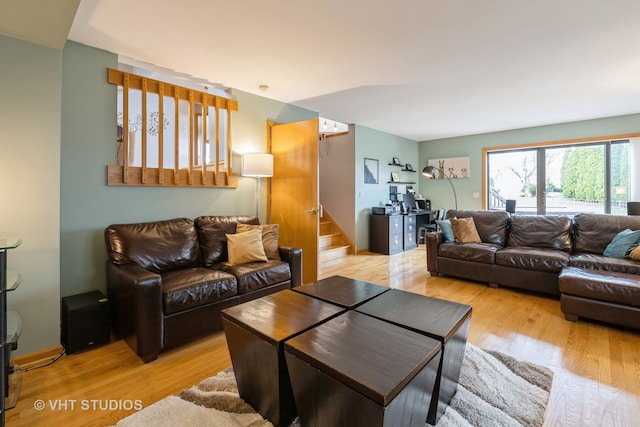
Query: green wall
{"x": 88, "y": 205}
{"x": 30, "y": 91}
{"x": 383, "y": 147}
{"x": 57, "y": 134}
{"x": 439, "y": 191}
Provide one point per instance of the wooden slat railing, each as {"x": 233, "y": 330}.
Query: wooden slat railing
{"x": 127, "y": 174}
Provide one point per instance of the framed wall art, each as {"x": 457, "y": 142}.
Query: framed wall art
{"x": 451, "y": 167}
{"x": 371, "y": 171}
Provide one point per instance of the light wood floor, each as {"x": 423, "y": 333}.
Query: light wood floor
{"x": 597, "y": 367}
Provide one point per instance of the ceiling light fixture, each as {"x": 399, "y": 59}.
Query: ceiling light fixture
{"x": 335, "y": 127}
{"x": 325, "y": 124}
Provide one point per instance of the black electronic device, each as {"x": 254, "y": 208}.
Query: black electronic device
{"x": 393, "y": 193}
{"x": 382, "y": 210}
{"x": 85, "y": 321}
{"x": 409, "y": 201}
{"x": 424, "y": 204}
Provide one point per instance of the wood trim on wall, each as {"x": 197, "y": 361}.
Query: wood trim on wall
{"x": 37, "y": 358}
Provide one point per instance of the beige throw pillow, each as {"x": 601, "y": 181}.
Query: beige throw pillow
{"x": 245, "y": 247}
{"x": 464, "y": 230}
{"x": 270, "y": 234}
{"x": 635, "y": 254}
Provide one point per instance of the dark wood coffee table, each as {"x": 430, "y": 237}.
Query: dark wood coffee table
{"x": 255, "y": 332}
{"x": 343, "y": 291}
{"x": 446, "y": 321}
{"x": 358, "y": 371}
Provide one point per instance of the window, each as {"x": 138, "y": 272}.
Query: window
{"x": 561, "y": 178}
{"x": 169, "y": 135}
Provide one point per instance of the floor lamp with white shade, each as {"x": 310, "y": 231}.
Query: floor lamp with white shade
{"x": 257, "y": 165}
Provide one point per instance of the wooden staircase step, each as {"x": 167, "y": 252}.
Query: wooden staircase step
{"x": 326, "y": 227}
{"x": 330, "y": 240}
{"x": 332, "y": 244}
{"x": 333, "y": 252}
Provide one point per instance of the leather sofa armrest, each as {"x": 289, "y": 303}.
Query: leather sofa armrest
{"x": 135, "y": 296}
{"x": 294, "y": 257}
{"x": 434, "y": 240}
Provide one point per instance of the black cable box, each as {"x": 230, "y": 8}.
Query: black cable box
{"x": 382, "y": 210}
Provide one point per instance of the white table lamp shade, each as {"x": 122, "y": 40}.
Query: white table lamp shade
{"x": 257, "y": 164}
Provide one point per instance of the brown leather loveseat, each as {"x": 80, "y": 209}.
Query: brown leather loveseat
{"x": 556, "y": 255}
{"x": 167, "y": 281}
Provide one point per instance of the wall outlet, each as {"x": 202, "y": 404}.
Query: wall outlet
{"x": 476, "y": 194}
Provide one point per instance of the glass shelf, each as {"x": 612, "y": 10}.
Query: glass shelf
{"x": 14, "y": 278}
{"x": 9, "y": 242}
{"x": 15, "y": 385}
{"x": 14, "y": 327}
{"x": 10, "y": 378}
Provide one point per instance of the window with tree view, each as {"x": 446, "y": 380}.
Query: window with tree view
{"x": 560, "y": 179}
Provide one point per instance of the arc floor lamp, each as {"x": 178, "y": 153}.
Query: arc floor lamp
{"x": 430, "y": 172}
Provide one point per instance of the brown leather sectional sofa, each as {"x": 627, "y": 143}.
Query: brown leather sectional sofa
{"x": 167, "y": 281}
{"x": 556, "y": 255}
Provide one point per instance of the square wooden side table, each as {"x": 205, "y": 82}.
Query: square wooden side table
{"x": 358, "y": 371}
{"x": 255, "y": 332}
{"x": 446, "y": 321}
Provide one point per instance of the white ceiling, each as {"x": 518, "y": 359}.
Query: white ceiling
{"x": 422, "y": 69}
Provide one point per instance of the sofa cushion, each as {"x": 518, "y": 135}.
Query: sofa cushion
{"x": 622, "y": 243}
{"x": 620, "y": 288}
{"x": 536, "y": 259}
{"x": 213, "y": 242}
{"x": 245, "y": 247}
{"x": 158, "y": 246}
{"x": 257, "y": 275}
{"x": 447, "y": 230}
{"x": 492, "y": 226}
{"x": 537, "y": 231}
{"x": 473, "y": 252}
{"x": 464, "y": 230}
{"x": 192, "y": 287}
{"x": 270, "y": 236}
{"x": 593, "y": 232}
{"x": 208, "y": 220}
{"x": 601, "y": 262}
{"x": 212, "y": 230}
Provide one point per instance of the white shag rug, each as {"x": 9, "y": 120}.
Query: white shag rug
{"x": 494, "y": 389}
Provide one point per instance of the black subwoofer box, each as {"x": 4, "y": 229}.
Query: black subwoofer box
{"x": 85, "y": 321}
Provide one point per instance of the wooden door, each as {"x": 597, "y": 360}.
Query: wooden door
{"x": 294, "y": 190}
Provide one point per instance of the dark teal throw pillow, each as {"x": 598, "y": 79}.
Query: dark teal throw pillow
{"x": 622, "y": 243}
{"x": 447, "y": 230}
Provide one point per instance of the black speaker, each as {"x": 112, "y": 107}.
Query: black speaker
{"x": 85, "y": 321}
{"x": 633, "y": 208}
